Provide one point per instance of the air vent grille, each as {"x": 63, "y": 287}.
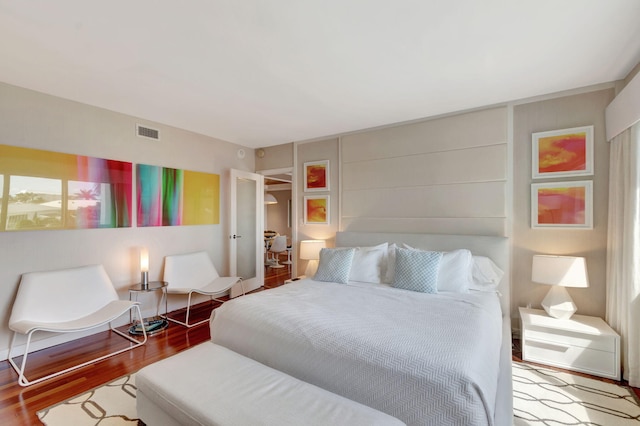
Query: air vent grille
{"x": 147, "y": 132}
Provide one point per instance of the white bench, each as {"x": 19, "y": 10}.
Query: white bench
{"x": 212, "y": 385}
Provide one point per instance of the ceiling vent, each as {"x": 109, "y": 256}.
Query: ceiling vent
{"x": 147, "y": 132}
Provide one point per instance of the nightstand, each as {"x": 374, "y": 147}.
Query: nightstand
{"x": 580, "y": 343}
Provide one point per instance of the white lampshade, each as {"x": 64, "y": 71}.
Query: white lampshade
{"x": 565, "y": 271}
{"x": 559, "y": 272}
{"x": 310, "y": 250}
{"x": 270, "y": 199}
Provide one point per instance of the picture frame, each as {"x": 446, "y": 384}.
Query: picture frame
{"x": 316, "y": 176}
{"x": 562, "y": 205}
{"x": 316, "y": 210}
{"x": 562, "y": 153}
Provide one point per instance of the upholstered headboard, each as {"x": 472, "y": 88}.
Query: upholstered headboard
{"x": 496, "y": 248}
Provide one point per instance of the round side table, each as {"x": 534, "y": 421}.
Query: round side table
{"x": 155, "y": 324}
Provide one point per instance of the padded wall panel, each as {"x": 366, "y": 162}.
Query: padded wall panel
{"x": 479, "y": 128}
{"x": 446, "y": 175}
{"x": 487, "y": 163}
{"x": 457, "y": 200}
{"x": 463, "y": 226}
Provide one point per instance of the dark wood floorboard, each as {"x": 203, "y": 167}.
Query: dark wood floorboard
{"x": 18, "y": 405}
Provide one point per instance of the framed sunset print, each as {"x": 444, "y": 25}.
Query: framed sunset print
{"x": 316, "y": 176}
{"x": 562, "y": 153}
{"x": 316, "y": 210}
{"x": 562, "y": 205}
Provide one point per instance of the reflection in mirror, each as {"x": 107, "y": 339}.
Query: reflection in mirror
{"x": 33, "y": 203}
{"x": 49, "y": 190}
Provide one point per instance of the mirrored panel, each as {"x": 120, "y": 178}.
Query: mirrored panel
{"x": 44, "y": 190}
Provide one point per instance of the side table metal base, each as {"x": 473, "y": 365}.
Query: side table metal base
{"x": 152, "y": 325}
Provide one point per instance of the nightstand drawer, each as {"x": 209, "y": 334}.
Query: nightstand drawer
{"x": 602, "y": 343}
{"x": 586, "y": 360}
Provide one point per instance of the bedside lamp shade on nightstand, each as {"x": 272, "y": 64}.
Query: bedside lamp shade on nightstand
{"x": 310, "y": 250}
{"x": 559, "y": 272}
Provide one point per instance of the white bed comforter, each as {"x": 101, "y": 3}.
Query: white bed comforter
{"x": 425, "y": 359}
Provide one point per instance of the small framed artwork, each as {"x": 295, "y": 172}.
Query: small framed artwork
{"x": 316, "y": 210}
{"x": 562, "y": 205}
{"x": 562, "y": 153}
{"x": 316, "y": 176}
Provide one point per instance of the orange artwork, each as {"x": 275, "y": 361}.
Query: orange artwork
{"x": 563, "y": 204}
{"x": 317, "y": 210}
{"x": 562, "y": 153}
{"x": 566, "y": 152}
{"x": 316, "y": 176}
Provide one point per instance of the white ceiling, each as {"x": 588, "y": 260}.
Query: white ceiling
{"x": 261, "y": 73}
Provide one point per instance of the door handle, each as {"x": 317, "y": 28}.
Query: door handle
{"x": 234, "y": 236}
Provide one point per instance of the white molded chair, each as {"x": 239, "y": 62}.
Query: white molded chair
{"x": 66, "y": 301}
{"x": 195, "y": 273}
{"x": 278, "y": 245}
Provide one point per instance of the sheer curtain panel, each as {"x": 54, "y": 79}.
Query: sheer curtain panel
{"x": 623, "y": 248}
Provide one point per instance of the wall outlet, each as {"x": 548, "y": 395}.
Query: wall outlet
{"x": 528, "y": 305}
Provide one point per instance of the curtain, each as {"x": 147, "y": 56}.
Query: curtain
{"x": 623, "y": 249}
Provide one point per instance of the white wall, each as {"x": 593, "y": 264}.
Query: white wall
{"x": 34, "y": 120}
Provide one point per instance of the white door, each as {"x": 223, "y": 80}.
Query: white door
{"x": 246, "y": 234}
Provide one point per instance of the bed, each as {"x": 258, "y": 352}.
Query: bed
{"x": 428, "y": 359}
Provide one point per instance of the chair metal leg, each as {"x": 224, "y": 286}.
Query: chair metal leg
{"x": 186, "y": 323}
{"x": 22, "y": 378}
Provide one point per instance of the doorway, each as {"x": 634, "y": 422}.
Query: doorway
{"x": 278, "y": 221}
{"x": 246, "y": 224}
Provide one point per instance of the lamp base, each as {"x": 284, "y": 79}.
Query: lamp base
{"x": 312, "y": 267}
{"x": 558, "y": 304}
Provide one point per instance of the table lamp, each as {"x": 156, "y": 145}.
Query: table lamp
{"x": 559, "y": 272}
{"x": 310, "y": 250}
{"x": 144, "y": 267}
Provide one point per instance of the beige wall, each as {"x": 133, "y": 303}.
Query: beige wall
{"x": 565, "y": 112}
{"x": 275, "y": 157}
{"x": 31, "y": 119}
{"x": 315, "y": 151}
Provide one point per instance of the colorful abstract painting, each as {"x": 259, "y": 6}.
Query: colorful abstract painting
{"x": 563, "y": 153}
{"x": 316, "y": 176}
{"x": 172, "y": 197}
{"x": 51, "y": 190}
{"x": 316, "y": 210}
{"x": 562, "y": 204}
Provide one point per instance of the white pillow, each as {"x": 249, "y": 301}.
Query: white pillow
{"x": 486, "y": 275}
{"x": 455, "y": 272}
{"x": 369, "y": 264}
{"x": 390, "y": 270}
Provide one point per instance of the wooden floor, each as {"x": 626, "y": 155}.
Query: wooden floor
{"x": 18, "y": 405}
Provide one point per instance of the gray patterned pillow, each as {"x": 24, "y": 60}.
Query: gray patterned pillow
{"x": 335, "y": 265}
{"x": 417, "y": 270}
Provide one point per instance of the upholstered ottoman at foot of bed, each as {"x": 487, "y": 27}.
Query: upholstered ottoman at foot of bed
{"x": 211, "y": 385}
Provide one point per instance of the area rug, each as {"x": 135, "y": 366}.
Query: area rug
{"x": 108, "y": 405}
{"x": 546, "y": 397}
{"x": 541, "y": 396}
